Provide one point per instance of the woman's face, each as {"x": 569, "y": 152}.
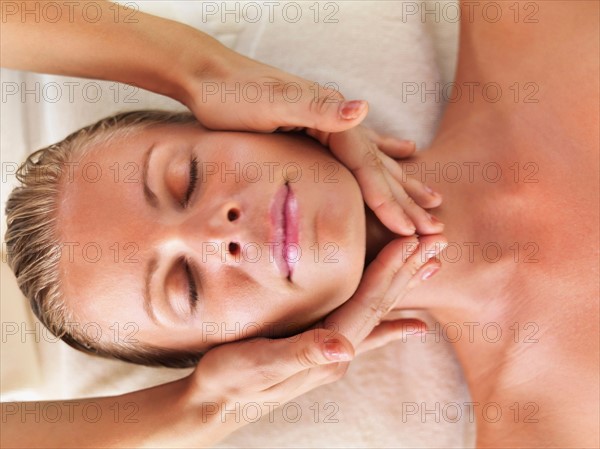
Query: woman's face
{"x": 272, "y": 236}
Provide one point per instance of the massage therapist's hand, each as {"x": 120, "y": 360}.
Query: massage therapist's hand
{"x": 398, "y": 200}
{"x": 224, "y": 89}
{"x": 237, "y": 93}
{"x": 400, "y": 266}
{"x": 260, "y": 374}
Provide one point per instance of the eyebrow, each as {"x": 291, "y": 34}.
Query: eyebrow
{"x": 150, "y": 196}
{"x": 150, "y": 270}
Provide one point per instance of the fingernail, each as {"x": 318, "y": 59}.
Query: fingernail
{"x": 429, "y": 272}
{"x": 334, "y": 351}
{"x": 431, "y": 191}
{"x": 435, "y": 220}
{"x": 349, "y": 110}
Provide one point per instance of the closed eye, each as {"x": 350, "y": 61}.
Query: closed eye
{"x": 193, "y": 181}
{"x": 192, "y": 287}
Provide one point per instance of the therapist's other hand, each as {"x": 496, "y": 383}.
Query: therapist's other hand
{"x": 398, "y": 201}
{"x": 264, "y": 373}
{"x": 233, "y": 92}
{"x": 238, "y": 383}
{"x": 400, "y": 266}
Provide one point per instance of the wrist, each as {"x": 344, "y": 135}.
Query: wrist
{"x": 204, "y": 59}
{"x": 199, "y": 415}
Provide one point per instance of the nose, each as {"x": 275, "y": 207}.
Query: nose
{"x": 221, "y": 225}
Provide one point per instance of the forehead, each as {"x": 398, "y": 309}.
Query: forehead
{"x": 102, "y": 225}
{"x": 102, "y": 189}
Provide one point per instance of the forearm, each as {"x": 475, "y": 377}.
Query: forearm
{"x": 122, "y": 45}
{"x": 162, "y": 416}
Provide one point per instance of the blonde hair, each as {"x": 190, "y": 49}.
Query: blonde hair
{"x": 34, "y": 250}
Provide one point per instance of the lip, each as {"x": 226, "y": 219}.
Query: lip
{"x": 284, "y": 230}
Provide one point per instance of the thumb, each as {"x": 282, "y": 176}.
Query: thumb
{"x": 321, "y": 109}
{"x": 330, "y": 115}
{"x": 319, "y": 346}
{"x": 389, "y": 331}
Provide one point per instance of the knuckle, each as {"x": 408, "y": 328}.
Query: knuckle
{"x": 321, "y": 104}
{"x": 269, "y": 374}
{"x": 260, "y": 365}
{"x": 305, "y": 357}
{"x": 414, "y": 267}
{"x": 378, "y": 307}
{"x": 376, "y": 310}
{"x": 410, "y": 202}
{"x": 265, "y": 370}
{"x": 331, "y": 95}
{"x": 371, "y": 158}
{"x": 387, "y": 199}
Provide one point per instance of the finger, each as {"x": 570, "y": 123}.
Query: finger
{"x": 360, "y": 314}
{"x": 370, "y": 133}
{"x": 381, "y": 190}
{"x": 329, "y": 111}
{"x": 396, "y": 148}
{"x": 257, "y": 364}
{"x": 285, "y": 101}
{"x": 320, "y": 108}
{"x": 424, "y": 222}
{"x": 384, "y": 284}
{"x": 389, "y": 203}
{"x": 287, "y": 129}
{"x": 423, "y": 195}
{"x": 393, "y": 147}
{"x": 306, "y": 361}
{"x": 357, "y": 152}
{"x": 389, "y": 331}
{"x": 380, "y": 179}
{"x": 305, "y": 381}
{"x": 429, "y": 247}
{"x": 310, "y": 349}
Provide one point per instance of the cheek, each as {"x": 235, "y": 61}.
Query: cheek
{"x": 235, "y": 297}
{"x": 243, "y": 307}
{"x": 337, "y": 278}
